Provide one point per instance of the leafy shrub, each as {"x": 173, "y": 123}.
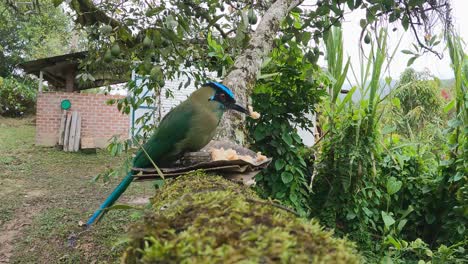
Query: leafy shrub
{"x": 347, "y": 194}
{"x": 417, "y": 102}
{"x": 285, "y": 99}
{"x": 17, "y": 97}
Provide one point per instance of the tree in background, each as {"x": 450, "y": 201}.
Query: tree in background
{"x": 417, "y": 101}
{"x": 27, "y": 35}
{"x": 31, "y": 35}
{"x": 232, "y": 38}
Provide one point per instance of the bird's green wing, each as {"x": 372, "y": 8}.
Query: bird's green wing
{"x": 161, "y": 146}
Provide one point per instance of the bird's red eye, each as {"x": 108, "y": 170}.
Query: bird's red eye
{"x": 222, "y": 97}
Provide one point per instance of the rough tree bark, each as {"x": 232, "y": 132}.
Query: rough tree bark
{"x": 241, "y": 78}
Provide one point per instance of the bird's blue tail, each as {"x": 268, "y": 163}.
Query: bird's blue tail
{"x": 118, "y": 191}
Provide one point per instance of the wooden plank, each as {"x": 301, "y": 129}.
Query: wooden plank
{"x": 67, "y": 132}
{"x": 71, "y": 140}
{"x": 63, "y": 121}
{"x": 76, "y": 145}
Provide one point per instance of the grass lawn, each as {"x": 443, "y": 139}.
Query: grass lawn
{"x": 45, "y": 192}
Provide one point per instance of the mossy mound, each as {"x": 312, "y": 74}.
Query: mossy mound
{"x": 207, "y": 219}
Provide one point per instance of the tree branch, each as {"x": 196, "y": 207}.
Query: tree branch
{"x": 88, "y": 14}
{"x": 242, "y": 76}
{"x": 415, "y": 32}
{"x": 205, "y": 16}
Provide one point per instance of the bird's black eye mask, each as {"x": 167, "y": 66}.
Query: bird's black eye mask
{"x": 222, "y": 98}
{"x": 228, "y": 102}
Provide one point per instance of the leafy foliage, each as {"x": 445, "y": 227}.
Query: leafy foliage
{"x": 345, "y": 194}
{"x": 403, "y": 188}
{"x": 31, "y": 35}
{"x": 453, "y": 190}
{"x": 17, "y": 97}
{"x": 185, "y": 38}
{"x": 286, "y": 94}
{"x": 417, "y": 101}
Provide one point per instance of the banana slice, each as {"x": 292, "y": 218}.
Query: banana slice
{"x": 253, "y": 114}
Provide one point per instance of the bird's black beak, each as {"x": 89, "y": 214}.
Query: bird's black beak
{"x": 239, "y": 108}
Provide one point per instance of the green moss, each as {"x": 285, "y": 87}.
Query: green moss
{"x": 206, "y": 219}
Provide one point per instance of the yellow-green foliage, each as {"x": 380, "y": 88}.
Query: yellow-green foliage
{"x": 207, "y": 219}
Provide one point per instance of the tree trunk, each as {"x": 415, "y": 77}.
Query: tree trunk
{"x": 242, "y": 76}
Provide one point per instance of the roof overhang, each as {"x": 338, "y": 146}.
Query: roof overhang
{"x": 57, "y": 69}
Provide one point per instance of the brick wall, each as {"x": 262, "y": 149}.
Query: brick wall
{"x": 99, "y": 121}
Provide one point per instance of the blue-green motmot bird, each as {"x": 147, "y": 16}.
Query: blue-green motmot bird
{"x": 188, "y": 127}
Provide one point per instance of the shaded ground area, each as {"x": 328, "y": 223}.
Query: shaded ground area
{"x": 45, "y": 192}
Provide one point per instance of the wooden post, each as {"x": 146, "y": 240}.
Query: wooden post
{"x": 63, "y": 122}
{"x": 67, "y": 132}
{"x": 76, "y": 145}
{"x": 70, "y": 80}
{"x": 40, "y": 81}
{"x": 71, "y": 140}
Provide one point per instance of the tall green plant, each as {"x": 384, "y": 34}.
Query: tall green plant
{"x": 347, "y": 194}
{"x": 453, "y": 187}
{"x": 417, "y": 102}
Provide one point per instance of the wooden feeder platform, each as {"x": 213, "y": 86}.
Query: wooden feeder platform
{"x": 238, "y": 170}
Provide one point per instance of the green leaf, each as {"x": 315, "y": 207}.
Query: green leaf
{"x": 279, "y": 164}
{"x": 393, "y": 185}
{"x": 454, "y": 123}
{"x": 457, "y": 177}
{"x": 407, "y": 212}
{"x": 405, "y": 22}
{"x": 411, "y": 60}
{"x": 367, "y": 211}
{"x": 407, "y": 52}
{"x": 401, "y": 224}
{"x": 293, "y": 198}
{"x": 287, "y": 138}
{"x": 396, "y": 102}
{"x": 388, "y": 129}
{"x": 306, "y": 36}
{"x": 297, "y": 138}
{"x": 57, "y": 2}
{"x": 394, "y": 242}
{"x": 388, "y": 219}
{"x": 350, "y": 4}
{"x": 350, "y": 216}
{"x": 430, "y": 218}
{"x": 303, "y": 163}
{"x": 280, "y": 195}
{"x": 286, "y": 177}
{"x": 259, "y": 133}
{"x": 449, "y": 106}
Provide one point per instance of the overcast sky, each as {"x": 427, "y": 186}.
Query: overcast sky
{"x": 439, "y": 68}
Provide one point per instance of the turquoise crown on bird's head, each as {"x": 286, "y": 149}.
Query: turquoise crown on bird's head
{"x": 220, "y": 86}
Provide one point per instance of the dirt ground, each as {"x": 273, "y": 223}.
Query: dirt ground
{"x": 45, "y": 193}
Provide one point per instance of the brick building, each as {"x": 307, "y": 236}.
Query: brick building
{"x": 99, "y": 121}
